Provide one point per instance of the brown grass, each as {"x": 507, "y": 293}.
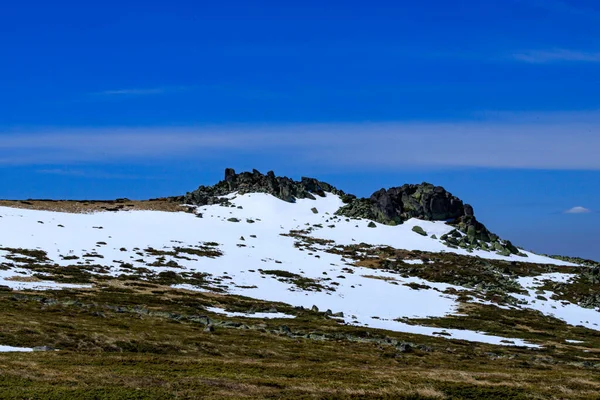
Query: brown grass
{"x": 91, "y": 206}
{"x": 124, "y": 355}
{"x": 22, "y": 279}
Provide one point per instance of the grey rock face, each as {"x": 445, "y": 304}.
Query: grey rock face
{"x": 398, "y": 204}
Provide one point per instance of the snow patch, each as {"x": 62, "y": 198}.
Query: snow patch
{"x": 9, "y": 349}
{"x": 249, "y": 315}
{"x": 570, "y": 313}
{"x": 257, "y": 261}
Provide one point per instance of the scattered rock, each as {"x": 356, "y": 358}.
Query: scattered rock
{"x": 43, "y": 348}
{"x": 404, "y": 348}
{"x": 99, "y": 314}
{"x": 419, "y": 230}
{"x": 285, "y": 329}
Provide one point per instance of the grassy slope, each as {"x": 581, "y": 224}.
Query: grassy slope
{"x": 109, "y": 352}
{"x": 132, "y": 339}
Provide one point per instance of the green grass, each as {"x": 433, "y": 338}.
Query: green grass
{"x": 136, "y": 337}
{"x": 148, "y": 342}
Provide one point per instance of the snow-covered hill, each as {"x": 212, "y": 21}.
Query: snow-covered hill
{"x": 262, "y": 247}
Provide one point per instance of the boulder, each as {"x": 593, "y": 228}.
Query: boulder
{"x": 423, "y": 201}
{"x": 419, "y": 230}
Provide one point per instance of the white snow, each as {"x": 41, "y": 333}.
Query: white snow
{"x": 7, "y": 349}
{"x": 566, "y": 311}
{"x": 267, "y": 315}
{"x": 367, "y": 297}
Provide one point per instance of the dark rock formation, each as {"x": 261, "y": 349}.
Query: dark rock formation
{"x": 428, "y": 202}
{"x": 283, "y": 188}
{"x": 398, "y": 204}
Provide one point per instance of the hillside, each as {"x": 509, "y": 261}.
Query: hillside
{"x": 261, "y": 285}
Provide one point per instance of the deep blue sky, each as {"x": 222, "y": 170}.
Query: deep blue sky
{"x": 495, "y": 100}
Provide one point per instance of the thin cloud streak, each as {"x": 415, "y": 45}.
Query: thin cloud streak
{"x": 487, "y": 144}
{"x": 556, "y": 55}
{"x": 578, "y": 210}
{"x": 130, "y": 92}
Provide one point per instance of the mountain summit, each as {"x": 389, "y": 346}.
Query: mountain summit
{"x": 391, "y": 206}
{"x": 283, "y": 188}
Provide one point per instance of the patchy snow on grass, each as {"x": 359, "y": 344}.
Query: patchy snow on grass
{"x": 257, "y": 261}
{"x": 42, "y": 285}
{"x": 268, "y": 315}
{"x": 414, "y": 262}
{"x": 22, "y": 279}
{"x": 572, "y": 314}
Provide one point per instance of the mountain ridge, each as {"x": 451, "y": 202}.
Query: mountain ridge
{"x": 391, "y": 206}
{"x": 257, "y": 277}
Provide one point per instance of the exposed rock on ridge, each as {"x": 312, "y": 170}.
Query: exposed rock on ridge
{"x": 283, "y": 188}
{"x": 398, "y": 204}
{"x": 433, "y": 203}
{"x": 392, "y": 206}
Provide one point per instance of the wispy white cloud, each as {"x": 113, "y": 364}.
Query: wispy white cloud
{"x": 569, "y": 141}
{"x": 140, "y": 91}
{"x": 578, "y": 210}
{"x": 556, "y": 55}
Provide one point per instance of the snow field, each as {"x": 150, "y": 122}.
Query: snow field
{"x": 255, "y": 253}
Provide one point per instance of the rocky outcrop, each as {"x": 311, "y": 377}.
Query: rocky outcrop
{"x": 428, "y": 202}
{"x": 283, "y": 188}
{"x": 388, "y": 206}
{"x": 398, "y": 204}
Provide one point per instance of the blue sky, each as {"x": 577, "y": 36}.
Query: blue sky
{"x": 495, "y": 100}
